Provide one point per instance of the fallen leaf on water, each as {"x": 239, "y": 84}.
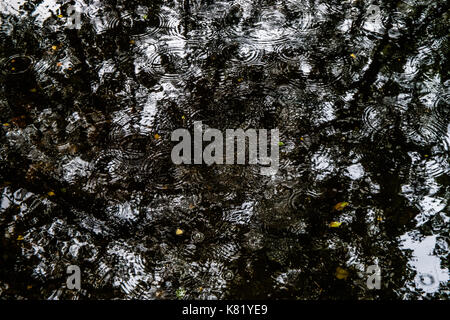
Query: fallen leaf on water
{"x": 341, "y": 273}
{"x": 353, "y": 55}
{"x": 281, "y": 143}
{"x": 335, "y": 224}
{"x": 51, "y": 193}
{"x": 179, "y": 232}
{"x": 240, "y": 79}
{"x": 55, "y": 48}
{"x": 19, "y": 237}
{"x": 157, "y": 136}
{"x": 60, "y": 16}
{"x": 340, "y": 206}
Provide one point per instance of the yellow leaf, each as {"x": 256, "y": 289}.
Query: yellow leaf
{"x": 60, "y": 16}
{"x": 6, "y": 124}
{"x": 19, "y": 237}
{"x": 54, "y": 48}
{"x": 157, "y": 136}
{"x": 240, "y": 79}
{"x": 51, "y": 193}
{"x": 353, "y": 55}
{"x": 29, "y": 287}
{"x": 341, "y": 273}
{"x": 33, "y": 90}
{"x": 179, "y": 232}
{"x": 335, "y": 224}
{"x": 340, "y": 206}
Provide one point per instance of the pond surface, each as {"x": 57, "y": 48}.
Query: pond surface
{"x": 91, "y": 92}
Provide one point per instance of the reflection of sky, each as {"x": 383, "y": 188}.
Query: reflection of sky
{"x": 427, "y": 265}
{"x": 42, "y": 12}
{"x": 11, "y": 7}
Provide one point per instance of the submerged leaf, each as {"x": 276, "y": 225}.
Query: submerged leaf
{"x": 180, "y": 293}
{"x": 341, "y": 273}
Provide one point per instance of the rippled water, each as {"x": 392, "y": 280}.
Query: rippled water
{"x": 358, "y": 89}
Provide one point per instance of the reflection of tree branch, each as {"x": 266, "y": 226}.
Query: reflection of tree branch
{"x": 378, "y": 60}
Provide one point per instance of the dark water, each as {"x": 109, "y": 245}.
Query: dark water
{"x": 358, "y": 89}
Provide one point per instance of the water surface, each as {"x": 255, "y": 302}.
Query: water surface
{"x": 358, "y": 90}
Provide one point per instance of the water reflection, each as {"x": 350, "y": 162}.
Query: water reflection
{"x": 357, "y": 89}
